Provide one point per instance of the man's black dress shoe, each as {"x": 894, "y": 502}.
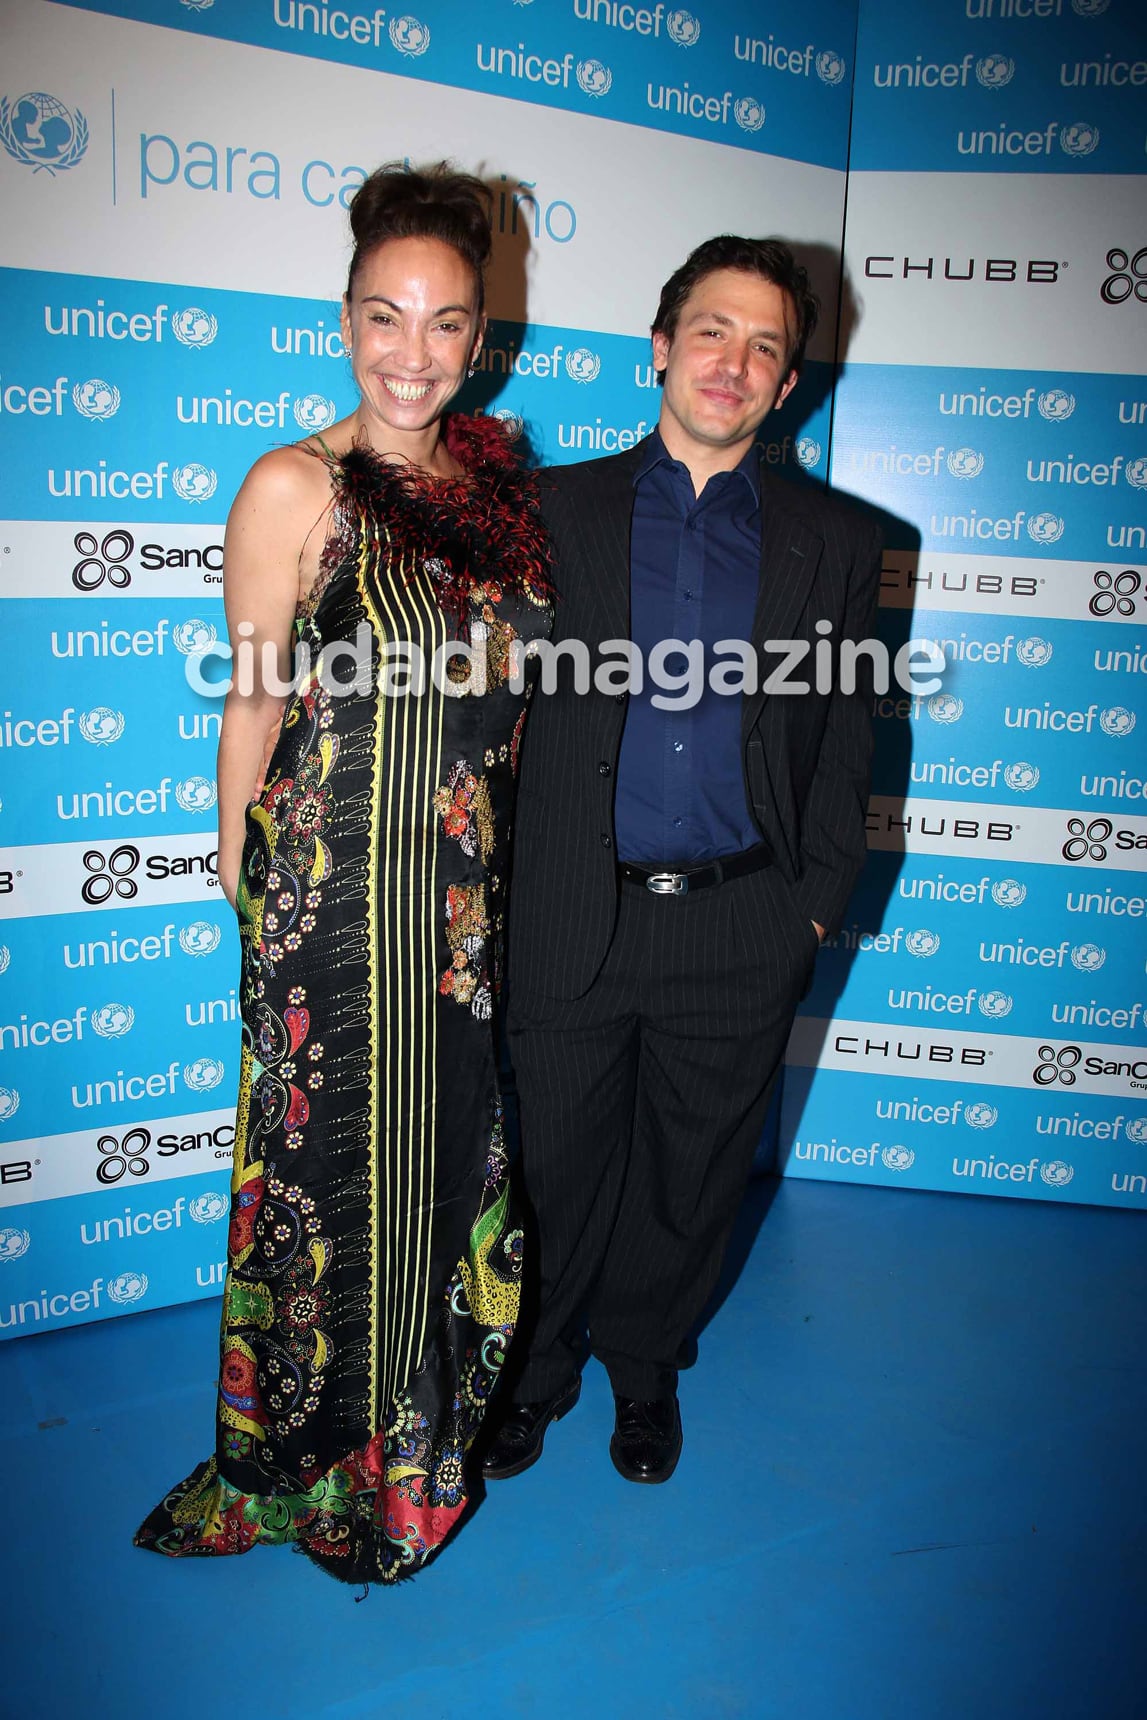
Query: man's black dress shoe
{"x": 646, "y": 1439}
{"x": 518, "y": 1441}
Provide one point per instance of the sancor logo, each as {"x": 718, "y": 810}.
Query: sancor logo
{"x": 194, "y": 482}
{"x": 1057, "y": 1068}
{"x": 110, "y": 877}
{"x": 994, "y": 71}
{"x": 594, "y": 77}
{"x": 123, "y": 1156}
{"x": 96, "y": 398}
{"x": 683, "y": 28}
{"x": 830, "y": 67}
{"x": 409, "y": 36}
{"x": 1115, "y": 593}
{"x": 1056, "y": 405}
{"x": 1087, "y": 840}
{"x": 102, "y": 726}
{"x": 749, "y": 113}
{"x": 194, "y": 327}
{"x": 41, "y": 132}
{"x": 1128, "y": 277}
{"x": 1078, "y": 139}
{"x": 100, "y": 561}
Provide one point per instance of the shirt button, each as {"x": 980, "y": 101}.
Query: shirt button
{"x": 603, "y": 769}
{"x": 688, "y": 596}
{"x": 677, "y": 823}
{"x": 678, "y": 746}
{"x": 606, "y": 841}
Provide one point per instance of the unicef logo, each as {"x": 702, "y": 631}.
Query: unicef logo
{"x": 945, "y": 708}
{"x": 200, "y": 938}
{"x": 1137, "y": 1130}
{"x": 510, "y": 422}
{"x": 808, "y": 452}
{"x": 922, "y": 943}
{"x": 1056, "y": 1174}
{"x": 594, "y": 78}
{"x": 409, "y": 36}
{"x": 315, "y": 412}
{"x": 1079, "y": 139}
{"x": 994, "y": 71}
{"x": 198, "y": 5}
{"x": 208, "y": 1208}
{"x": 1118, "y": 721}
{"x": 13, "y": 1243}
{"x": 127, "y": 1287}
{"x": 194, "y": 327}
{"x": 749, "y": 113}
{"x": 9, "y": 1103}
{"x": 96, "y": 399}
{"x": 897, "y": 1158}
{"x": 1056, "y": 405}
{"x": 582, "y": 365}
{"x": 1009, "y": 893}
{"x": 1045, "y": 528}
{"x": 38, "y": 130}
{"x": 204, "y": 1074}
{"x": 195, "y": 794}
{"x": 113, "y": 1020}
{"x": 193, "y": 637}
{"x": 1090, "y": 8}
{"x": 981, "y": 1115}
{"x": 1033, "y": 653}
{"x": 1136, "y": 473}
{"x": 965, "y": 463}
{"x": 1088, "y": 958}
{"x": 994, "y": 1004}
{"x": 193, "y": 482}
{"x": 683, "y": 28}
{"x": 1021, "y": 777}
{"x": 5, "y": 958}
{"x": 101, "y": 725}
{"x": 830, "y": 67}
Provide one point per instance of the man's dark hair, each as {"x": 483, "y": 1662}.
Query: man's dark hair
{"x": 771, "y": 259}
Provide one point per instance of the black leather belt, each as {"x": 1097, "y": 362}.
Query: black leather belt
{"x": 665, "y": 881}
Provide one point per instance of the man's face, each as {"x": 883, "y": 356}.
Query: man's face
{"x": 725, "y": 366}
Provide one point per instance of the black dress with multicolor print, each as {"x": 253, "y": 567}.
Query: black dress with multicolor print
{"x": 373, "y": 1259}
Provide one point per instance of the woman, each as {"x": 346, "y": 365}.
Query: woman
{"x": 373, "y": 1266}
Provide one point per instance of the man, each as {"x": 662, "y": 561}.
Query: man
{"x": 675, "y": 869}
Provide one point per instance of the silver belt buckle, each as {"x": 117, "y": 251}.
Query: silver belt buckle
{"x": 667, "y": 883}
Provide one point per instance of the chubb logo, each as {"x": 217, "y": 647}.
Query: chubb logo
{"x": 1118, "y": 721}
{"x": 683, "y": 28}
{"x": 749, "y": 113}
{"x": 1078, "y": 139}
{"x": 965, "y": 463}
{"x": 808, "y": 452}
{"x": 13, "y": 1243}
{"x": 315, "y": 412}
{"x": 994, "y": 1004}
{"x": 1056, "y": 1174}
{"x": 830, "y": 67}
{"x": 981, "y": 1115}
{"x": 582, "y": 365}
{"x": 1008, "y": 893}
{"x": 195, "y": 794}
{"x": 127, "y": 1287}
{"x": 1115, "y": 593}
{"x": 994, "y": 71}
{"x": 111, "y": 876}
{"x": 1033, "y": 653}
{"x": 1087, "y": 840}
{"x": 1022, "y": 777}
{"x": 113, "y": 1020}
{"x": 594, "y": 77}
{"x": 102, "y": 560}
{"x": 409, "y": 36}
{"x": 194, "y": 327}
{"x": 9, "y": 1103}
{"x": 1088, "y": 958}
{"x": 922, "y": 943}
{"x": 897, "y": 1158}
{"x": 193, "y": 637}
{"x": 101, "y": 725}
{"x": 193, "y": 482}
{"x": 1056, "y": 405}
{"x": 208, "y": 1208}
{"x": 96, "y": 398}
{"x": 1136, "y": 473}
{"x": 1045, "y": 528}
{"x": 1128, "y": 277}
{"x": 40, "y": 131}
{"x": 204, "y": 1074}
{"x": 201, "y": 938}
{"x": 1057, "y": 1068}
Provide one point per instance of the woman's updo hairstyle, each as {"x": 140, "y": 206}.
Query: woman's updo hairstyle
{"x": 434, "y": 203}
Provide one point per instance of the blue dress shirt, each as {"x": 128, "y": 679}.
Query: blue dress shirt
{"x": 694, "y": 572}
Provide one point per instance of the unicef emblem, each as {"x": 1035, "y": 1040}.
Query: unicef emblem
{"x": 965, "y": 463}
{"x": 922, "y": 943}
{"x": 5, "y": 958}
{"x": 808, "y": 452}
{"x": 1021, "y": 777}
{"x": 200, "y": 938}
{"x": 1136, "y": 473}
{"x": 1079, "y": 139}
{"x": 1090, "y": 8}
{"x": 981, "y": 1115}
{"x": 208, "y": 1208}
{"x": 193, "y": 482}
{"x": 127, "y": 1287}
{"x": 96, "y": 399}
{"x": 1088, "y": 958}
{"x": 101, "y": 726}
{"x": 1033, "y": 653}
{"x": 897, "y": 1158}
{"x": 994, "y": 1004}
{"x": 13, "y": 1243}
{"x": 749, "y": 113}
{"x": 594, "y": 77}
{"x": 1056, "y": 1174}
{"x": 38, "y": 130}
{"x": 315, "y": 412}
{"x": 409, "y": 36}
{"x": 194, "y": 327}
{"x": 1008, "y": 893}
{"x": 994, "y": 71}
{"x": 9, "y": 1103}
{"x": 1056, "y": 405}
{"x": 582, "y": 365}
{"x": 683, "y": 28}
{"x": 510, "y": 422}
{"x": 830, "y": 67}
{"x": 1118, "y": 721}
{"x": 1137, "y": 1130}
{"x": 1045, "y": 528}
{"x": 193, "y": 637}
{"x": 198, "y": 5}
{"x": 195, "y": 794}
{"x": 945, "y": 708}
{"x": 113, "y": 1020}
{"x": 204, "y": 1074}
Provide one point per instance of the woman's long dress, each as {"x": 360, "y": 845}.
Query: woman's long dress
{"x": 373, "y": 1261}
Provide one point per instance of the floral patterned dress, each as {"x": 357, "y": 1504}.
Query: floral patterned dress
{"x": 373, "y": 1259}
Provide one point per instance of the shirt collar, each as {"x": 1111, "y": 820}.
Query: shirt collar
{"x": 655, "y": 452}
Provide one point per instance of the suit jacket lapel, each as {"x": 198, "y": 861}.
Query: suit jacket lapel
{"x": 606, "y": 529}
{"x": 790, "y": 555}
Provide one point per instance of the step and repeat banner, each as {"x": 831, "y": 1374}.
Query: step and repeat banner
{"x": 979, "y": 1023}
{"x": 176, "y": 174}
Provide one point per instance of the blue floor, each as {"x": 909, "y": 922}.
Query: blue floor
{"x": 914, "y": 1485}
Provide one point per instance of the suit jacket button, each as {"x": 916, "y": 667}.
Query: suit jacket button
{"x": 620, "y": 697}
{"x": 606, "y": 841}
{"x": 604, "y": 769}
